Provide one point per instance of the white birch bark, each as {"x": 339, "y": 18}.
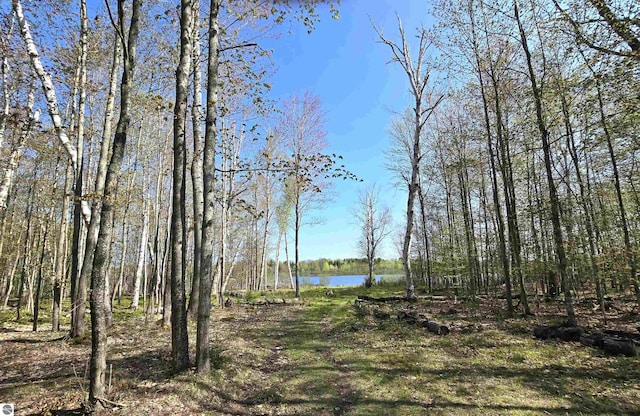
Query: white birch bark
{"x": 50, "y": 95}
{"x": 17, "y": 151}
{"x": 142, "y": 256}
{"x": 196, "y": 165}
{"x": 5, "y": 87}
{"x": 47, "y": 83}
{"x": 286, "y": 257}
{"x": 277, "y": 267}
{"x": 5, "y": 94}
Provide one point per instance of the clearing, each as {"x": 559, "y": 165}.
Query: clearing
{"x": 322, "y": 356}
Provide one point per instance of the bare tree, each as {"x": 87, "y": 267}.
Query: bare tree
{"x": 419, "y": 73}
{"x": 375, "y": 225}
{"x": 301, "y": 126}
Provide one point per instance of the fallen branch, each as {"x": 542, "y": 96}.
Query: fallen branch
{"x": 112, "y": 404}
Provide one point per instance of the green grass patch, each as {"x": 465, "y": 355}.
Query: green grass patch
{"x": 322, "y": 356}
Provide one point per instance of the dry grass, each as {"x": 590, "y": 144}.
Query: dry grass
{"x": 322, "y": 357}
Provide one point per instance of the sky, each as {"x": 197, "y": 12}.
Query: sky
{"x": 343, "y": 63}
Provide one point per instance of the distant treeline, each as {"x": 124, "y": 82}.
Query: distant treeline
{"x": 340, "y": 267}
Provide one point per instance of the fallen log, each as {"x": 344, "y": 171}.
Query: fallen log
{"x": 266, "y": 302}
{"x": 407, "y": 316}
{"x": 422, "y": 321}
{"x": 564, "y": 333}
{"x": 620, "y": 346}
{"x": 613, "y": 344}
{"x": 378, "y": 314}
{"x": 386, "y": 299}
{"x": 569, "y": 333}
{"x": 622, "y": 334}
{"x": 436, "y": 328}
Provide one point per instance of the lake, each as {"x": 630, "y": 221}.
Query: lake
{"x": 354, "y": 280}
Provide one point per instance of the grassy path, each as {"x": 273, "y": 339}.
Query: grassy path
{"x": 322, "y": 357}
{"x": 342, "y": 363}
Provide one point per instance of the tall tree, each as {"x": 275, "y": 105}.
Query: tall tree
{"x": 196, "y": 164}
{"x": 179, "y": 335}
{"x": 203, "y": 361}
{"x": 419, "y": 75}
{"x": 101, "y": 259}
{"x": 543, "y": 130}
{"x": 301, "y": 126}
{"x": 79, "y": 282}
{"x": 374, "y": 222}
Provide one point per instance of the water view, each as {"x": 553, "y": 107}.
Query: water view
{"x": 353, "y": 280}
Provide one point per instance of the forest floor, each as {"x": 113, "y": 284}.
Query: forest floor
{"x": 322, "y": 356}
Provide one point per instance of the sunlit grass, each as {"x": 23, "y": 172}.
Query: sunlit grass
{"x": 323, "y": 356}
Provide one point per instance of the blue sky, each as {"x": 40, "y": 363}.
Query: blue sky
{"x": 341, "y": 62}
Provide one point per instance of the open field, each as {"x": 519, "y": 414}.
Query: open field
{"x": 323, "y": 357}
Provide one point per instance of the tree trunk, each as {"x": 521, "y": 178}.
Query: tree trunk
{"x": 61, "y": 249}
{"x": 276, "y": 270}
{"x": 103, "y": 162}
{"x": 76, "y": 243}
{"x": 101, "y": 261}
{"x": 164, "y": 268}
{"x": 25, "y": 253}
{"x": 425, "y": 235}
{"x": 588, "y": 214}
{"x": 418, "y": 80}
{"x": 197, "y": 172}
{"x": 504, "y": 162}
{"x": 142, "y": 258}
{"x": 43, "y": 249}
{"x": 6, "y": 93}
{"x": 553, "y": 193}
{"x": 629, "y": 249}
{"x": 47, "y": 84}
{"x": 297, "y": 242}
{"x": 286, "y": 257}
{"x": 16, "y": 152}
{"x": 502, "y": 245}
{"x": 179, "y": 336}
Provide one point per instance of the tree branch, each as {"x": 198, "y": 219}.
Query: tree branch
{"x": 243, "y": 45}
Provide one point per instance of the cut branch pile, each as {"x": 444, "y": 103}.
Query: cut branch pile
{"x": 387, "y": 299}
{"x": 419, "y": 319}
{"x": 267, "y": 302}
{"x": 370, "y": 305}
{"x": 613, "y": 342}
